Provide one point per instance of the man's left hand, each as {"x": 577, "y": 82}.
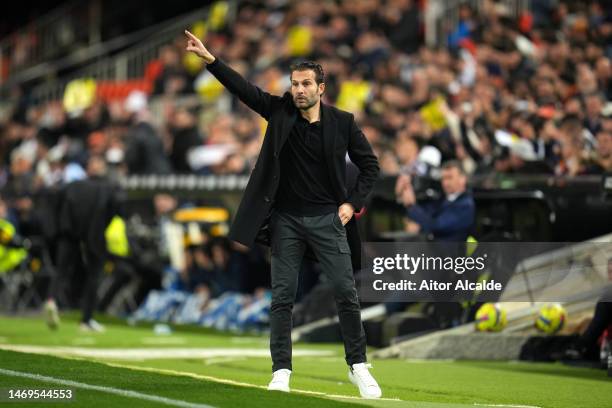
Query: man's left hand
{"x": 412, "y": 227}
{"x": 345, "y": 212}
{"x": 407, "y": 196}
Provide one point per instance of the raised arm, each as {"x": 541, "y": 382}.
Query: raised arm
{"x": 255, "y": 98}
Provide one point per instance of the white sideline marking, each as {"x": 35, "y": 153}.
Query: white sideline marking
{"x": 163, "y": 341}
{"x": 429, "y": 361}
{"x": 214, "y": 360}
{"x": 84, "y": 341}
{"x": 506, "y": 405}
{"x": 108, "y": 390}
{"x": 242, "y": 340}
{"x": 156, "y": 353}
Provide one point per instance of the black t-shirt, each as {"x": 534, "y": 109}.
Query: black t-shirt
{"x": 305, "y": 188}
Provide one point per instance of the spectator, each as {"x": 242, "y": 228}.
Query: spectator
{"x": 145, "y": 151}
{"x": 86, "y": 209}
{"x": 603, "y": 159}
{"x": 448, "y": 219}
{"x": 401, "y": 19}
{"x": 184, "y": 135}
{"x": 594, "y": 105}
{"x": 173, "y": 78}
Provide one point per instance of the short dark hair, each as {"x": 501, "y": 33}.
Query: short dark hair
{"x": 453, "y": 164}
{"x": 312, "y": 66}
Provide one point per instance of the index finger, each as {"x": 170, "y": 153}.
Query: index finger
{"x": 193, "y": 37}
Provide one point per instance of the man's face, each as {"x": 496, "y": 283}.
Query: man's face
{"x": 304, "y": 89}
{"x": 407, "y": 150}
{"x": 604, "y": 144}
{"x": 593, "y": 105}
{"x": 453, "y": 181}
{"x": 96, "y": 166}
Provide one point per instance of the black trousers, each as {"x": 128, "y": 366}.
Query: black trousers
{"x": 326, "y": 236}
{"x": 72, "y": 254}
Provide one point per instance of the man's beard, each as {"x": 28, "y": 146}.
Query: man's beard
{"x": 306, "y": 103}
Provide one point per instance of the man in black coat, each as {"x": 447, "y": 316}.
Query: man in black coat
{"x": 296, "y": 196}
{"x": 144, "y": 152}
{"x": 85, "y": 210}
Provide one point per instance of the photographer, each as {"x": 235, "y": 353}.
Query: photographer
{"x": 449, "y": 218}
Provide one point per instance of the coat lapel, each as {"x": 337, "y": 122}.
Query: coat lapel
{"x": 328, "y": 132}
{"x": 286, "y": 125}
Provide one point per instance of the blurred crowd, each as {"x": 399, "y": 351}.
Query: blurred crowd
{"x": 526, "y": 95}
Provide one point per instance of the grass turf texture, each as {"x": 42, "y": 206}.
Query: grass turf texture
{"x": 417, "y": 384}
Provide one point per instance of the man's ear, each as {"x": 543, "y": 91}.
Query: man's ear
{"x": 321, "y": 88}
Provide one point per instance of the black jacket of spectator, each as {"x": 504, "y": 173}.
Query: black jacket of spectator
{"x": 183, "y": 139}
{"x": 86, "y": 210}
{"x": 340, "y": 135}
{"x": 145, "y": 151}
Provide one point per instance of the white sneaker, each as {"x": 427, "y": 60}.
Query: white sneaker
{"x": 361, "y": 377}
{"x": 280, "y": 380}
{"x": 92, "y": 326}
{"x": 51, "y": 314}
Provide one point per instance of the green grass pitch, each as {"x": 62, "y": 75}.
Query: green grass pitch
{"x": 233, "y": 375}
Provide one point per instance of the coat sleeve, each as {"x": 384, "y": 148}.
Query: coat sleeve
{"x": 260, "y": 101}
{"x": 361, "y": 154}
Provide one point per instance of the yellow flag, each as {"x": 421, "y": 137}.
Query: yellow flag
{"x": 299, "y": 41}
{"x": 432, "y": 114}
{"x": 353, "y": 95}
{"x": 79, "y": 94}
{"x": 218, "y": 15}
{"x": 208, "y": 87}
